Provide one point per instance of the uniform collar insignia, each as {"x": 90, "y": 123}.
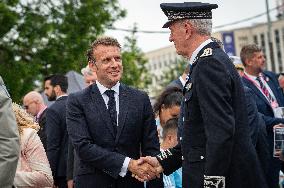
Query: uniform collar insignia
{"x": 207, "y": 52}
{"x": 188, "y": 86}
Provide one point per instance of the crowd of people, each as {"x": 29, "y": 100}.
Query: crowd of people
{"x": 212, "y": 127}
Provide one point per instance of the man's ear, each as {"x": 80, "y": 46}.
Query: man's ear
{"x": 248, "y": 62}
{"x": 92, "y": 66}
{"x": 188, "y": 29}
{"x": 57, "y": 88}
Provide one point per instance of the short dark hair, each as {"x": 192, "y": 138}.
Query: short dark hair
{"x": 248, "y": 51}
{"x": 58, "y": 79}
{"x": 171, "y": 96}
{"x": 89, "y": 55}
{"x": 105, "y": 41}
{"x": 171, "y": 124}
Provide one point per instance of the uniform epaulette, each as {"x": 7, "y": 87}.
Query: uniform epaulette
{"x": 207, "y": 52}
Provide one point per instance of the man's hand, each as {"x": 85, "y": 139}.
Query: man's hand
{"x": 142, "y": 170}
{"x": 278, "y": 126}
{"x": 153, "y": 162}
{"x": 70, "y": 184}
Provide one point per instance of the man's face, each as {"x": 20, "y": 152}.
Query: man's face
{"x": 177, "y": 36}
{"x": 49, "y": 91}
{"x": 90, "y": 78}
{"x": 108, "y": 65}
{"x": 257, "y": 62}
{"x": 31, "y": 106}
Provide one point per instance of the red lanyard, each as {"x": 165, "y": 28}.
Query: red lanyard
{"x": 272, "y": 101}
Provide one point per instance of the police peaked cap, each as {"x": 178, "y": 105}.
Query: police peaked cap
{"x": 187, "y": 10}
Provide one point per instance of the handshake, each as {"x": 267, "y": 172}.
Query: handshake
{"x": 145, "y": 168}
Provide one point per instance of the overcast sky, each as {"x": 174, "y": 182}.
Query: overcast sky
{"x": 149, "y": 17}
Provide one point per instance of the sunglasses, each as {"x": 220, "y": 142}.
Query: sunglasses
{"x": 27, "y": 106}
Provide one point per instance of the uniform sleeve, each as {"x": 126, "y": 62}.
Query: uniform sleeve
{"x": 214, "y": 88}
{"x": 171, "y": 159}
{"x": 40, "y": 174}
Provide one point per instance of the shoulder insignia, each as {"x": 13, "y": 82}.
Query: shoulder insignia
{"x": 214, "y": 181}
{"x": 164, "y": 154}
{"x": 207, "y": 52}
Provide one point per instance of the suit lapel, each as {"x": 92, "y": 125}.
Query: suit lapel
{"x": 123, "y": 110}
{"x": 98, "y": 101}
{"x": 272, "y": 87}
{"x": 256, "y": 90}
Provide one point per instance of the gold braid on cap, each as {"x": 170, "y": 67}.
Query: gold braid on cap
{"x": 24, "y": 120}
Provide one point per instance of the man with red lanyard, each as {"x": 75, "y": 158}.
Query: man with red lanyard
{"x": 269, "y": 99}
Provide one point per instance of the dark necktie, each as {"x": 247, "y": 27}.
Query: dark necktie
{"x": 265, "y": 90}
{"x": 112, "y": 108}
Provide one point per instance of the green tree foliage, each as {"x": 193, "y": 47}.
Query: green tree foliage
{"x": 42, "y": 37}
{"x": 173, "y": 72}
{"x": 134, "y": 71}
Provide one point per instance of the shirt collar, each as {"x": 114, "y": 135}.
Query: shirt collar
{"x": 40, "y": 112}
{"x": 102, "y": 88}
{"x": 250, "y": 76}
{"x": 182, "y": 81}
{"x": 64, "y": 95}
{"x": 197, "y": 50}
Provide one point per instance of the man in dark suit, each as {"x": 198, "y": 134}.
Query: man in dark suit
{"x": 111, "y": 125}
{"x": 55, "y": 88}
{"x": 216, "y": 145}
{"x": 34, "y": 104}
{"x": 268, "y": 97}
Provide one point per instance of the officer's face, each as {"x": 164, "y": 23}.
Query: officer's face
{"x": 108, "y": 65}
{"x": 177, "y": 36}
{"x": 168, "y": 113}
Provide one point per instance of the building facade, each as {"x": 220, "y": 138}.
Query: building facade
{"x": 159, "y": 61}
{"x": 235, "y": 39}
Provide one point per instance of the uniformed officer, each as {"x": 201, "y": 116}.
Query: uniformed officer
{"x": 216, "y": 146}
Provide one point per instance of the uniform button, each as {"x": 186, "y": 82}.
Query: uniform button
{"x": 180, "y": 138}
{"x": 201, "y": 157}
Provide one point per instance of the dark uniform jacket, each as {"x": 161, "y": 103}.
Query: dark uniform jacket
{"x": 216, "y": 144}
{"x": 99, "y": 152}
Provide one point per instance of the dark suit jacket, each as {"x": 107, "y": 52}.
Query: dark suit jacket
{"x": 42, "y": 131}
{"x": 257, "y": 132}
{"x": 215, "y": 138}
{"x": 175, "y": 83}
{"x": 57, "y": 137}
{"x": 101, "y": 153}
{"x": 263, "y": 105}
{"x": 266, "y": 111}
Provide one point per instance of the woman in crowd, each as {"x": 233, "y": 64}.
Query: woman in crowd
{"x": 167, "y": 106}
{"x": 33, "y": 169}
